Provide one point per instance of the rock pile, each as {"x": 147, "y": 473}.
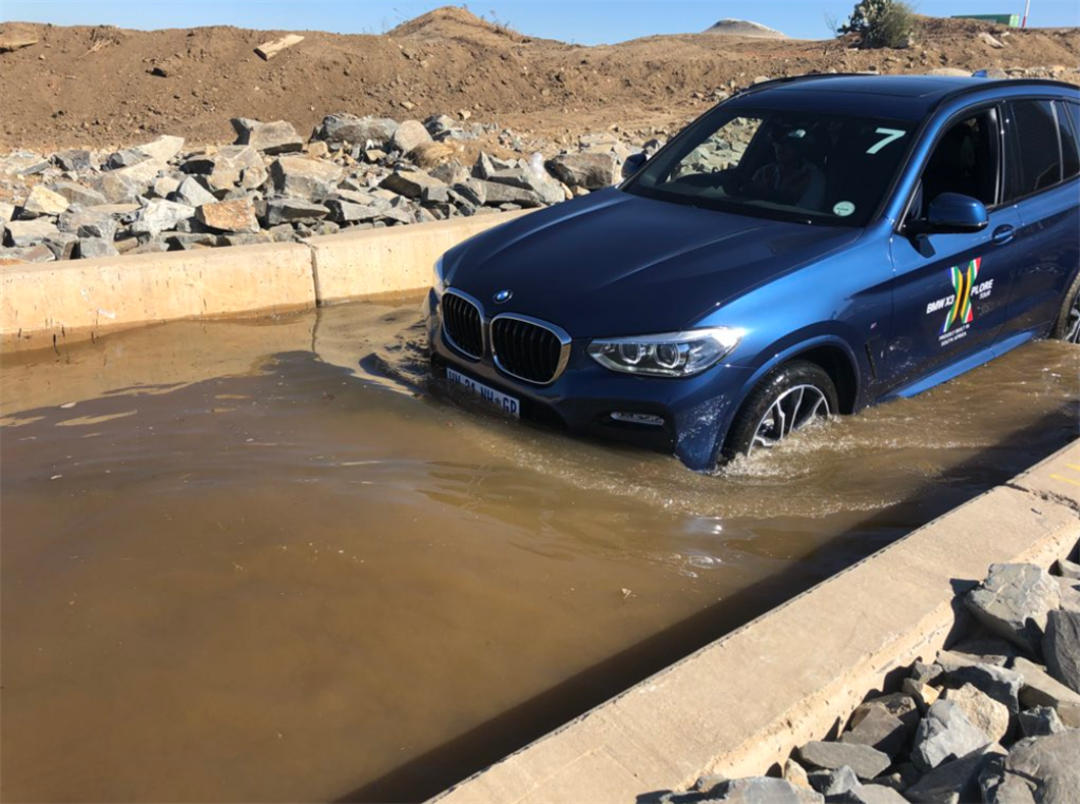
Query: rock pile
{"x": 272, "y": 185}
{"x": 995, "y": 718}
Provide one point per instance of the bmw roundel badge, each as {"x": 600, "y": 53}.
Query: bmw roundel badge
{"x": 503, "y": 296}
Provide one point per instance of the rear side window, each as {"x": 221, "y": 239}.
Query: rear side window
{"x": 1069, "y": 127}
{"x": 1034, "y": 148}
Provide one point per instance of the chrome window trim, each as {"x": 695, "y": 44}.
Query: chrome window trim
{"x": 560, "y": 333}
{"x": 484, "y": 323}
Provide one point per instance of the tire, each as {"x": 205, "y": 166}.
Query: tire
{"x": 818, "y": 398}
{"x": 1067, "y": 327}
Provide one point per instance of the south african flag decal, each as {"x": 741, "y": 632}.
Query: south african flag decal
{"x": 963, "y": 281}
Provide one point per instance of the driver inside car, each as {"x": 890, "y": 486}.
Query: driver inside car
{"x": 791, "y": 179}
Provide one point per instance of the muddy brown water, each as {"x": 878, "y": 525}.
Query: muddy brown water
{"x": 267, "y": 561}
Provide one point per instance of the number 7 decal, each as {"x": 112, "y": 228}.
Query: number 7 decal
{"x": 891, "y": 135}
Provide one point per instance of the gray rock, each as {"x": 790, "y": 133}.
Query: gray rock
{"x": 875, "y": 794}
{"x": 301, "y": 177}
{"x": 1040, "y": 689}
{"x": 277, "y": 137}
{"x": 1040, "y": 721}
{"x": 441, "y": 126}
{"x": 187, "y": 241}
{"x": 1061, "y": 647}
{"x": 90, "y": 247}
{"x": 450, "y": 172}
{"x": 999, "y": 683}
{"x": 1067, "y": 569}
{"x": 410, "y": 184}
{"x": 7, "y": 211}
{"x": 347, "y": 212}
{"x": 77, "y": 193}
{"x": 989, "y": 716}
{"x": 496, "y": 194}
{"x": 592, "y": 171}
{"x": 62, "y": 244}
{"x": 995, "y": 652}
{"x": 945, "y": 733}
{"x": 158, "y": 216}
{"x": 1069, "y": 589}
{"x": 89, "y": 223}
{"x": 763, "y": 790}
{"x": 165, "y": 186}
{"x": 1013, "y": 603}
{"x": 924, "y": 673}
{"x": 228, "y": 167}
{"x": 1051, "y": 764}
{"x": 192, "y": 193}
{"x": 867, "y": 762}
{"x": 285, "y": 210}
{"x": 923, "y": 694}
{"x": 22, "y": 234}
{"x": 124, "y": 158}
{"x": 796, "y": 774}
{"x": 162, "y": 149}
{"x": 529, "y": 178}
{"x": 42, "y": 201}
{"x": 832, "y": 783}
{"x": 409, "y": 135}
{"x": 127, "y": 184}
{"x": 343, "y": 127}
{"x": 36, "y": 253}
{"x": 73, "y": 159}
{"x": 954, "y": 781}
{"x": 472, "y": 190}
{"x": 879, "y": 729}
{"x": 487, "y": 165}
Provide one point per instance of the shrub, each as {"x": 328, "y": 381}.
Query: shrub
{"x": 881, "y": 23}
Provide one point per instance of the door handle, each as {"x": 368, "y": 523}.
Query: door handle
{"x": 1003, "y": 234}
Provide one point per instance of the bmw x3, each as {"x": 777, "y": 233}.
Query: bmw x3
{"x": 808, "y": 247}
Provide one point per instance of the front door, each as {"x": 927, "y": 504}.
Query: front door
{"x": 951, "y": 291}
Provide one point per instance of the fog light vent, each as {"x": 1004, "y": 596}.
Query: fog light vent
{"x": 647, "y": 419}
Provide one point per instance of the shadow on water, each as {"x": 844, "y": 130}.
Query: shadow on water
{"x": 453, "y": 761}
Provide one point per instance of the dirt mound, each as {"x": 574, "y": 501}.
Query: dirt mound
{"x": 744, "y": 28}
{"x": 104, "y": 86}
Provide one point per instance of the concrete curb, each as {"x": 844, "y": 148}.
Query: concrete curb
{"x": 49, "y": 304}
{"x": 744, "y": 702}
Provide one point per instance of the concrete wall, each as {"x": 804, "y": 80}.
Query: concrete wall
{"x": 42, "y": 305}
{"x": 744, "y": 702}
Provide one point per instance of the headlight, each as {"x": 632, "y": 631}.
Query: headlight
{"x": 671, "y": 354}
{"x": 437, "y": 280}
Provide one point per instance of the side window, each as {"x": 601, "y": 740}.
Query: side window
{"x": 1070, "y": 132}
{"x": 1035, "y": 153}
{"x": 964, "y": 160}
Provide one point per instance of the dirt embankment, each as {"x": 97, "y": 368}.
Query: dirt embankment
{"x": 101, "y": 86}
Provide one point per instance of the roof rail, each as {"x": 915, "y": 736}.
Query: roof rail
{"x": 990, "y": 83}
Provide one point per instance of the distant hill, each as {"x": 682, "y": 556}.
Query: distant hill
{"x": 745, "y": 28}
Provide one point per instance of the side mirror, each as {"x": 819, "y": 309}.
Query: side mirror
{"x": 952, "y": 213}
{"x": 633, "y": 164}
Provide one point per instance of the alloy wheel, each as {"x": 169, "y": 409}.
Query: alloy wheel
{"x": 792, "y": 410}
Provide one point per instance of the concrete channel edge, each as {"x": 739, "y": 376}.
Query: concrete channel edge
{"x": 745, "y": 701}
{"x": 50, "y": 304}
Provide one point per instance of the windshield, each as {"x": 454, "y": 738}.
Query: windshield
{"x": 799, "y": 166}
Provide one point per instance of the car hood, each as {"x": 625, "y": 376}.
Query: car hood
{"x": 613, "y": 263}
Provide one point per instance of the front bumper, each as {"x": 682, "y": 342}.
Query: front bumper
{"x": 696, "y": 411}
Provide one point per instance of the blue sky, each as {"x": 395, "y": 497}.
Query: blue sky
{"x": 582, "y": 21}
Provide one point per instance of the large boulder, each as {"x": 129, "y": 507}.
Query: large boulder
{"x": 277, "y": 137}
{"x": 987, "y": 715}
{"x": 237, "y": 215}
{"x": 1048, "y": 766}
{"x": 157, "y": 216}
{"x": 77, "y": 193}
{"x": 999, "y": 683}
{"x": 409, "y": 135}
{"x": 43, "y": 201}
{"x": 879, "y": 729}
{"x": 22, "y": 234}
{"x": 87, "y": 222}
{"x": 1040, "y": 689}
{"x": 592, "y": 171}
{"x": 945, "y": 733}
{"x": 495, "y": 194}
{"x": 410, "y": 184}
{"x": 301, "y": 177}
{"x": 344, "y": 127}
{"x": 867, "y": 762}
{"x": 287, "y": 210}
{"x": 192, "y": 192}
{"x": 1014, "y": 601}
{"x": 128, "y": 183}
{"x": 1061, "y": 647}
{"x": 956, "y": 780}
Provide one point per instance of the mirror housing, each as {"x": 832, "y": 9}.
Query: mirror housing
{"x": 952, "y": 213}
{"x": 633, "y": 164}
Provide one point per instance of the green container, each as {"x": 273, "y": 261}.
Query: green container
{"x": 1012, "y": 20}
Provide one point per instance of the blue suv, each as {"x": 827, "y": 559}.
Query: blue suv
{"x": 808, "y": 247}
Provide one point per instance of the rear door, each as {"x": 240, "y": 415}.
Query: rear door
{"x": 1041, "y": 178}
{"x": 951, "y": 291}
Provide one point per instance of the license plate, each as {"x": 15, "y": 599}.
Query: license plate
{"x": 507, "y": 404}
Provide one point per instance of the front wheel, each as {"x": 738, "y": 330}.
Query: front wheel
{"x": 1067, "y": 327}
{"x": 788, "y": 399}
